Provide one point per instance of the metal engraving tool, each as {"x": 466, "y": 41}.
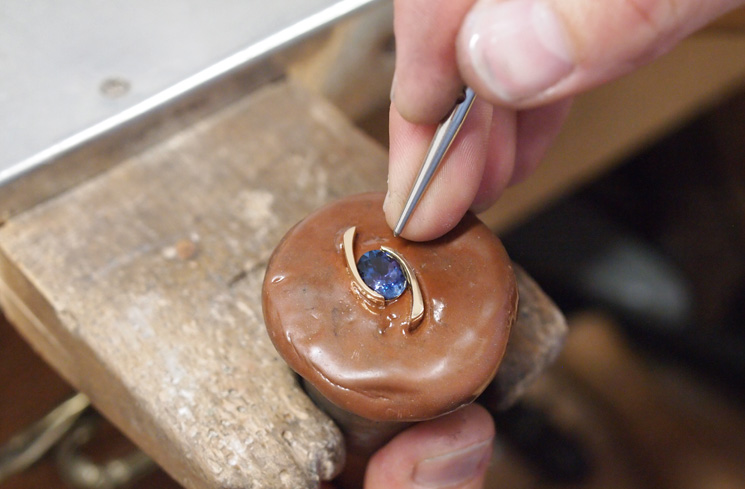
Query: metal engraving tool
{"x": 441, "y": 141}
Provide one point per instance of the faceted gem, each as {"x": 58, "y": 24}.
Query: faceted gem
{"x": 382, "y": 273}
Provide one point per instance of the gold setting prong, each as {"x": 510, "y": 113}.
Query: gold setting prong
{"x": 365, "y": 290}
{"x": 417, "y": 303}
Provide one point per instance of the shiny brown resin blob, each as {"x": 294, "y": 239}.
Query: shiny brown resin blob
{"x": 365, "y": 358}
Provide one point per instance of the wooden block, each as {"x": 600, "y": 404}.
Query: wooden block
{"x": 142, "y": 287}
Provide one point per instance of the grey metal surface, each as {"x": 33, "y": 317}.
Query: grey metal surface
{"x": 72, "y": 72}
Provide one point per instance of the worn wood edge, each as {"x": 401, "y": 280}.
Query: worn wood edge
{"x": 34, "y": 319}
{"x": 308, "y": 467}
{"x": 30, "y": 322}
{"x": 536, "y": 339}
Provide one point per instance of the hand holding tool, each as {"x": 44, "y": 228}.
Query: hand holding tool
{"x": 441, "y": 141}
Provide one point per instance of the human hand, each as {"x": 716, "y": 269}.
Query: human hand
{"x": 525, "y": 59}
{"x": 452, "y": 451}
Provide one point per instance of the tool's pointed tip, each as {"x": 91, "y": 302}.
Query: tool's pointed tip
{"x": 399, "y": 227}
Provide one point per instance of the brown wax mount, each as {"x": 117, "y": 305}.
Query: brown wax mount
{"x": 365, "y": 358}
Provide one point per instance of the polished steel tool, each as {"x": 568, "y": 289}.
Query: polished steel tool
{"x": 441, "y": 141}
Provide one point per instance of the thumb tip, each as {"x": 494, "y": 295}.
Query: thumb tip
{"x": 514, "y": 52}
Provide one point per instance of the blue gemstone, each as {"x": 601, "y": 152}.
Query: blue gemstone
{"x": 382, "y": 273}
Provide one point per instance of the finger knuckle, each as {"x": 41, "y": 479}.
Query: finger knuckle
{"x": 657, "y": 16}
{"x": 656, "y": 20}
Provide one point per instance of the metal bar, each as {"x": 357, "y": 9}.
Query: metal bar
{"x": 76, "y": 72}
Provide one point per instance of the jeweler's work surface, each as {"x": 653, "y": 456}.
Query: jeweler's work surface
{"x": 143, "y": 288}
{"x": 366, "y": 358}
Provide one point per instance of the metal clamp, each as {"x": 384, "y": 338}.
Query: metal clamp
{"x": 30, "y": 445}
{"x": 65, "y": 428}
{"x": 78, "y": 471}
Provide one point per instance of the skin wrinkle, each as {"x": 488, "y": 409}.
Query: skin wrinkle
{"x": 597, "y": 60}
{"x": 427, "y": 77}
{"x": 658, "y": 18}
{"x": 649, "y": 28}
{"x": 393, "y": 465}
{"x": 446, "y": 456}
{"x": 587, "y": 31}
{"x": 652, "y": 15}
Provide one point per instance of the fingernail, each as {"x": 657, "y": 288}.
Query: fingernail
{"x": 453, "y": 468}
{"x": 519, "y": 48}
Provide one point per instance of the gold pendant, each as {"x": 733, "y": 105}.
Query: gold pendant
{"x": 417, "y": 303}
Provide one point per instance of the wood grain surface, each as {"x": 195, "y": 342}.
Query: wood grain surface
{"x": 142, "y": 287}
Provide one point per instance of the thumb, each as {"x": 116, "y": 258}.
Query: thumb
{"x": 450, "y": 452}
{"x": 524, "y": 53}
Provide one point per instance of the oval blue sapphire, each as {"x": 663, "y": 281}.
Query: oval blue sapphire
{"x": 382, "y": 273}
